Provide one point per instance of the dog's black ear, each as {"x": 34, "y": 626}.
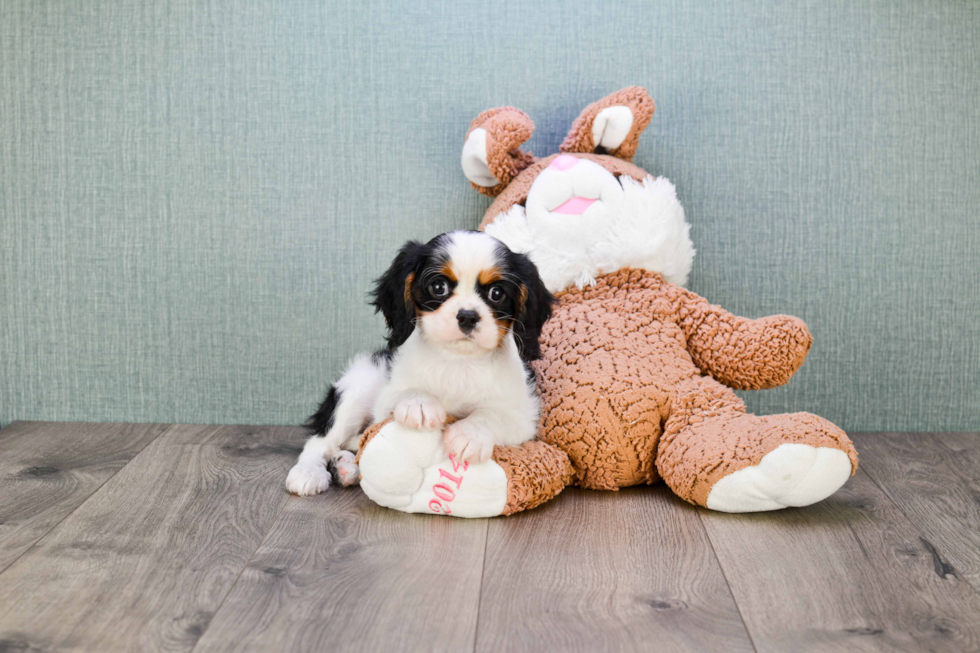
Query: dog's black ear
{"x": 534, "y": 308}
{"x": 392, "y": 294}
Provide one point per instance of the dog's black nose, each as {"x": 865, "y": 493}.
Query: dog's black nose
{"x": 467, "y": 320}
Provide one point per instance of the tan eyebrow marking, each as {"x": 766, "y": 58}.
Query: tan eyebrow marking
{"x": 486, "y": 277}
{"x": 447, "y": 271}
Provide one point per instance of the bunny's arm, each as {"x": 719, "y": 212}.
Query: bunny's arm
{"x": 741, "y": 353}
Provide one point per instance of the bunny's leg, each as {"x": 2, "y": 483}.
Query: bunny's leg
{"x": 714, "y": 454}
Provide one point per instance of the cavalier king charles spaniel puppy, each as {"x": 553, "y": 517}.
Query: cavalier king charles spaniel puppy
{"x": 464, "y": 314}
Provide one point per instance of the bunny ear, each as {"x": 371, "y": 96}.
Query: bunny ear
{"x": 491, "y": 158}
{"x": 612, "y": 125}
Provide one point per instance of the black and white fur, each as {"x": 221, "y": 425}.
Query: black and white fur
{"x": 464, "y": 314}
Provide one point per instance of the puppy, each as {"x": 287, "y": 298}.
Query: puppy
{"x": 464, "y": 314}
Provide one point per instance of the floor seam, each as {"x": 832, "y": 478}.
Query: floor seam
{"x": 86, "y": 500}
{"x": 721, "y": 567}
{"x": 479, "y": 600}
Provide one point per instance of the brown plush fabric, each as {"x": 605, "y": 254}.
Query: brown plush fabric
{"x": 618, "y": 356}
{"x": 507, "y": 129}
{"x": 741, "y": 353}
{"x": 536, "y": 472}
{"x": 516, "y": 192}
{"x": 580, "y": 138}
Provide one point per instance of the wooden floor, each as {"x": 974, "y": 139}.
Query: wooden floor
{"x": 181, "y": 538}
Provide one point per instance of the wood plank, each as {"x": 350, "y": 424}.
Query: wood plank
{"x": 339, "y": 573}
{"x": 146, "y": 561}
{"x": 851, "y": 573}
{"x": 935, "y": 480}
{"x": 606, "y": 571}
{"x": 47, "y": 469}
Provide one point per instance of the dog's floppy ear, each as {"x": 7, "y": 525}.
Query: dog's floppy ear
{"x": 612, "y": 125}
{"x": 491, "y": 158}
{"x": 534, "y": 307}
{"x": 392, "y": 294}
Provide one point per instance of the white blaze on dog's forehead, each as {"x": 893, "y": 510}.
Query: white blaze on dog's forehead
{"x": 470, "y": 253}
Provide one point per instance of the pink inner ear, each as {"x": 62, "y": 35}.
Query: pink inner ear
{"x": 574, "y": 206}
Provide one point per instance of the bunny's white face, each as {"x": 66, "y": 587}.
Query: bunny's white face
{"x": 570, "y": 197}
{"x": 581, "y": 221}
{"x": 588, "y": 211}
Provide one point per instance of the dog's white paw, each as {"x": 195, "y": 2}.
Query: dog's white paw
{"x": 420, "y": 412}
{"x": 307, "y": 479}
{"x": 469, "y": 441}
{"x": 345, "y": 469}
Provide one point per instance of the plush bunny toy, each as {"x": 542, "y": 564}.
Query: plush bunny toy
{"x": 636, "y": 372}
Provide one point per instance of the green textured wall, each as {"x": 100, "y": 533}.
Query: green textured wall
{"x": 194, "y": 196}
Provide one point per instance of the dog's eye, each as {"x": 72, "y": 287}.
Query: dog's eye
{"x": 496, "y": 294}
{"x": 439, "y": 288}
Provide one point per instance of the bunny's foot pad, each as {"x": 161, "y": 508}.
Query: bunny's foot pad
{"x": 408, "y": 470}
